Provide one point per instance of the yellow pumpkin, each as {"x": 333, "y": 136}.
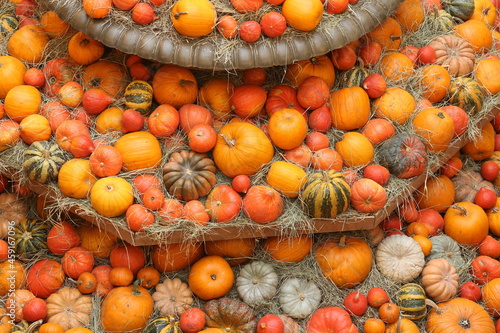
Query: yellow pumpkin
{"x": 488, "y": 74}
{"x": 355, "y": 149}
{"x": 75, "y": 178}
{"x": 194, "y": 18}
{"x": 303, "y": 15}
{"x": 11, "y": 74}
{"x": 395, "y": 104}
{"x": 287, "y": 178}
{"x": 139, "y": 150}
{"x": 109, "y": 120}
{"x": 111, "y": 196}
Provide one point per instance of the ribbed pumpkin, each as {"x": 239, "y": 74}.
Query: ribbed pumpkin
{"x": 241, "y": 149}
{"x": 349, "y": 108}
{"x": 167, "y": 324}
{"x": 466, "y": 93}
{"x": 404, "y": 155}
{"x": 193, "y": 18}
{"x": 139, "y": 150}
{"x": 138, "y": 95}
{"x": 30, "y": 236}
{"x": 411, "y": 301}
{"x": 325, "y": 194}
{"x": 8, "y": 24}
{"x": 42, "y": 161}
{"x": 462, "y": 9}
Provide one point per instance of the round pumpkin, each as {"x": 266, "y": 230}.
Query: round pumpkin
{"x": 341, "y": 106}
{"x": 22, "y": 101}
{"x": 236, "y": 251}
{"x": 174, "y": 85}
{"x": 173, "y": 257}
{"x": 320, "y": 66}
{"x": 287, "y": 128}
{"x": 45, "y": 277}
{"x": 211, "y": 277}
{"x": 291, "y": 249}
{"x": 467, "y": 223}
{"x": 287, "y": 178}
{"x": 404, "y": 155}
{"x": 139, "y": 150}
{"x": 302, "y": 15}
{"x": 355, "y": 149}
{"x": 11, "y": 74}
{"x": 193, "y": 18}
{"x": 12, "y": 276}
{"x": 395, "y": 104}
{"x": 436, "y": 192}
{"x": 28, "y": 43}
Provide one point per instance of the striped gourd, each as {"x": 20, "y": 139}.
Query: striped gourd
{"x": 30, "y": 236}
{"x": 8, "y": 24}
{"x": 325, "y": 194}
{"x": 166, "y": 324}
{"x": 466, "y": 93}
{"x": 442, "y": 21}
{"x": 353, "y": 77}
{"x": 139, "y": 96}
{"x": 411, "y": 301}
{"x": 42, "y": 161}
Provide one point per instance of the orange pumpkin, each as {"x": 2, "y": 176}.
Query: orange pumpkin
{"x": 109, "y": 120}
{"x": 483, "y": 146}
{"x": 355, "y": 149}
{"x": 11, "y": 74}
{"x": 211, "y": 277}
{"x": 75, "y": 178}
{"x": 287, "y": 128}
{"x": 97, "y": 240}
{"x": 485, "y": 11}
{"x": 320, "y": 66}
{"x": 53, "y": 26}
{"x": 396, "y": 67}
{"x": 139, "y": 150}
{"x": 215, "y": 95}
{"x": 436, "y": 127}
{"x": 84, "y": 50}
{"x": 236, "y": 251}
{"x": 262, "y": 204}
{"x": 193, "y": 18}
{"x": 106, "y": 75}
{"x": 106, "y": 161}
{"x": 477, "y": 33}
{"x": 435, "y": 82}
{"x": 388, "y": 34}
{"x": 174, "y": 257}
{"x": 491, "y": 290}
{"x": 410, "y": 15}
{"x": 488, "y": 74}
{"x": 28, "y": 43}
{"x": 467, "y": 223}
{"x": 34, "y": 127}
{"x": 174, "y": 85}
{"x": 303, "y": 15}
{"x": 287, "y": 178}
{"x": 395, "y": 104}
{"x": 342, "y": 104}
{"x": 111, "y": 196}
{"x": 22, "y": 101}
{"x": 290, "y": 249}
{"x": 367, "y": 196}
{"x": 436, "y": 192}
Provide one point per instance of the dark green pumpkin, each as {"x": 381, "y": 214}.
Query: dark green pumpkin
{"x": 42, "y": 161}
{"x": 466, "y": 93}
{"x": 462, "y": 9}
{"x": 325, "y": 194}
{"x": 139, "y": 96}
{"x": 411, "y": 301}
{"x": 166, "y": 324}
{"x": 404, "y": 155}
{"x": 353, "y": 77}
{"x": 30, "y": 236}
{"x": 8, "y": 24}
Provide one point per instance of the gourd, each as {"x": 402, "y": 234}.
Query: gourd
{"x": 138, "y": 95}
{"x": 69, "y": 308}
{"x": 256, "y": 282}
{"x": 13, "y": 209}
{"x": 354, "y": 77}
{"x": 444, "y": 246}
{"x": 399, "y": 258}
{"x": 8, "y": 24}
{"x": 299, "y": 297}
{"x": 467, "y": 94}
{"x": 325, "y": 194}
{"x": 30, "y": 236}
{"x": 166, "y": 324}
{"x": 463, "y": 9}
{"x": 442, "y": 21}
{"x": 42, "y": 161}
{"x": 467, "y": 183}
{"x": 454, "y": 53}
{"x": 172, "y": 297}
{"x": 189, "y": 175}
{"x": 440, "y": 279}
{"x": 404, "y": 155}
{"x": 330, "y": 319}
{"x": 230, "y": 315}
{"x": 411, "y": 300}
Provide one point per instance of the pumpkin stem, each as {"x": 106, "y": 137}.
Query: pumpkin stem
{"x": 393, "y": 38}
{"x": 432, "y": 304}
{"x": 440, "y": 115}
{"x": 73, "y": 280}
{"x": 184, "y": 83}
{"x": 213, "y": 277}
{"x": 34, "y": 325}
{"x": 398, "y": 325}
{"x": 342, "y": 241}
{"x": 84, "y": 42}
{"x": 314, "y": 60}
{"x": 230, "y": 143}
{"x": 135, "y": 287}
{"x": 461, "y": 210}
{"x": 464, "y": 323}
{"x": 177, "y": 15}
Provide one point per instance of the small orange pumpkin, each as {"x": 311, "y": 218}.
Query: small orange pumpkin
{"x": 303, "y": 15}
{"x": 84, "y": 50}
{"x": 287, "y": 178}
{"x": 22, "y": 101}
{"x": 435, "y": 82}
{"x": 211, "y": 277}
{"x": 174, "y": 85}
{"x": 436, "y": 127}
{"x": 287, "y": 128}
{"x": 193, "y": 18}
{"x": 356, "y": 150}
{"x": 320, "y": 66}
{"x": 34, "y": 127}
{"x": 75, "y": 178}
{"x": 139, "y": 150}
{"x": 396, "y": 67}
{"x": 342, "y": 104}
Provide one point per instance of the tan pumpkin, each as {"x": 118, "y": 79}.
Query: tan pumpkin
{"x": 69, "y": 308}
{"x": 440, "y": 279}
{"x": 16, "y": 301}
{"x": 13, "y": 209}
{"x": 172, "y": 297}
{"x": 454, "y": 53}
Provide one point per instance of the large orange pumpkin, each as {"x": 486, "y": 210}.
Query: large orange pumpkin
{"x": 11, "y": 74}
{"x": 22, "y": 101}
{"x": 349, "y": 108}
{"x": 139, "y": 150}
{"x": 106, "y": 75}
{"x": 28, "y": 43}
{"x": 436, "y": 127}
{"x": 467, "y": 223}
{"x": 174, "y": 85}
{"x": 477, "y": 33}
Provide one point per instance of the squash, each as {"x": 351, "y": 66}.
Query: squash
{"x": 395, "y": 104}
{"x": 166, "y": 324}
{"x": 69, "y": 308}
{"x": 454, "y": 53}
{"x": 467, "y": 183}
{"x": 189, "y": 175}
{"x": 440, "y": 279}
{"x": 441, "y": 22}
{"x": 444, "y": 246}
{"x": 42, "y": 161}
{"x": 211, "y": 277}
{"x": 172, "y": 297}
{"x": 411, "y": 301}
{"x": 353, "y": 77}
{"x": 462, "y": 9}
{"x": 193, "y": 18}
{"x": 399, "y": 258}
{"x": 229, "y": 315}
{"x": 467, "y": 94}
{"x": 257, "y": 282}
{"x": 138, "y": 95}
{"x": 30, "y": 236}
{"x": 75, "y": 178}
{"x": 325, "y": 194}
{"x": 139, "y": 150}
{"x": 8, "y": 24}
{"x": 299, "y": 297}
{"x": 404, "y": 155}
{"x": 459, "y": 314}
{"x": 343, "y": 102}
{"x": 13, "y": 209}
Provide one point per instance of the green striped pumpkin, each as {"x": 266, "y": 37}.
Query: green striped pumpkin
{"x": 411, "y": 301}
{"x": 466, "y": 93}
{"x": 354, "y": 77}
{"x": 8, "y": 24}
{"x": 325, "y": 194}
{"x": 42, "y": 161}
{"x": 166, "y": 324}
{"x": 139, "y": 96}
{"x": 30, "y": 236}
{"x": 442, "y": 21}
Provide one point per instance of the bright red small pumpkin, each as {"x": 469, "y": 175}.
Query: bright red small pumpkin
{"x": 77, "y": 261}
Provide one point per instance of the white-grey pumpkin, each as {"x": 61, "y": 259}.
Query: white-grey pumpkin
{"x": 299, "y": 297}
{"x": 257, "y": 282}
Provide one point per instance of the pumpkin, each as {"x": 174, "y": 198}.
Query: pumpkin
{"x": 229, "y": 315}
{"x": 396, "y": 67}
{"x": 42, "y": 161}
{"x": 368, "y": 196}
{"x": 139, "y": 150}
{"x": 173, "y": 257}
{"x": 193, "y": 18}
{"x": 257, "y": 282}
{"x": 11, "y": 74}
{"x": 8, "y": 24}
{"x": 57, "y": 73}
{"x": 172, "y": 297}
{"x": 343, "y": 102}
{"x": 77, "y": 261}
{"x": 490, "y": 297}
{"x": 73, "y": 135}
{"x": 388, "y": 33}
{"x": 411, "y": 300}
{"x": 105, "y": 161}
{"x": 325, "y": 194}
{"x": 404, "y": 155}
{"x": 75, "y": 178}
{"x": 103, "y": 284}
{"x": 215, "y": 95}
{"x": 111, "y": 196}
{"x": 435, "y": 82}
{"x": 335, "y": 255}
{"x": 462, "y": 9}
{"x": 410, "y": 15}
{"x": 236, "y": 251}
{"x": 126, "y": 309}
{"x": 262, "y": 204}
{"x": 477, "y": 33}
{"x": 45, "y": 277}
{"x": 437, "y": 192}
{"x": 328, "y": 318}
{"x": 302, "y": 15}
{"x": 467, "y": 223}
{"x": 16, "y": 301}
{"x": 355, "y": 149}
{"x": 444, "y": 246}
{"x": 395, "y": 104}
{"x": 223, "y": 204}
{"x": 403, "y": 325}
{"x": 454, "y": 53}
{"x": 211, "y": 277}
{"x": 9, "y": 134}
{"x": 97, "y": 240}
{"x": 84, "y": 50}
{"x": 86, "y": 283}
{"x": 399, "y": 258}
{"x": 459, "y": 314}
{"x": 167, "y": 324}
{"x": 241, "y": 148}
{"x": 69, "y": 308}
{"x": 28, "y": 43}
{"x": 467, "y": 183}
{"x": 467, "y": 94}
{"x": 287, "y": 128}
{"x": 12, "y": 276}
{"x": 320, "y": 66}
{"x": 440, "y": 279}
{"x": 13, "y": 209}
{"x": 30, "y": 236}
{"x": 484, "y": 11}
{"x": 174, "y": 85}
{"x": 53, "y": 26}
{"x": 5, "y": 321}
{"x": 292, "y": 249}
{"x": 189, "y": 175}
{"x": 299, "y": 297}
{"x": 22, "y": 101}
{"x": 283, "y": 96}
{"x": 138, "y": 95}
{"x": 109, "y": 120}
{"x": 487, "y": 73}
{"x": 34, "y": 127}
{"x": 287, "y": 178}
{"x": 149, "y": 276}
{"x": 106, "y": 75}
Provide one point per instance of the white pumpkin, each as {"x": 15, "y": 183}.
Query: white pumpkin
{"x": 298, "y": 297}
{"x": 257, "y": 282}
{"x": 399, "y": 258}
{"x": 172, "y": 297}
